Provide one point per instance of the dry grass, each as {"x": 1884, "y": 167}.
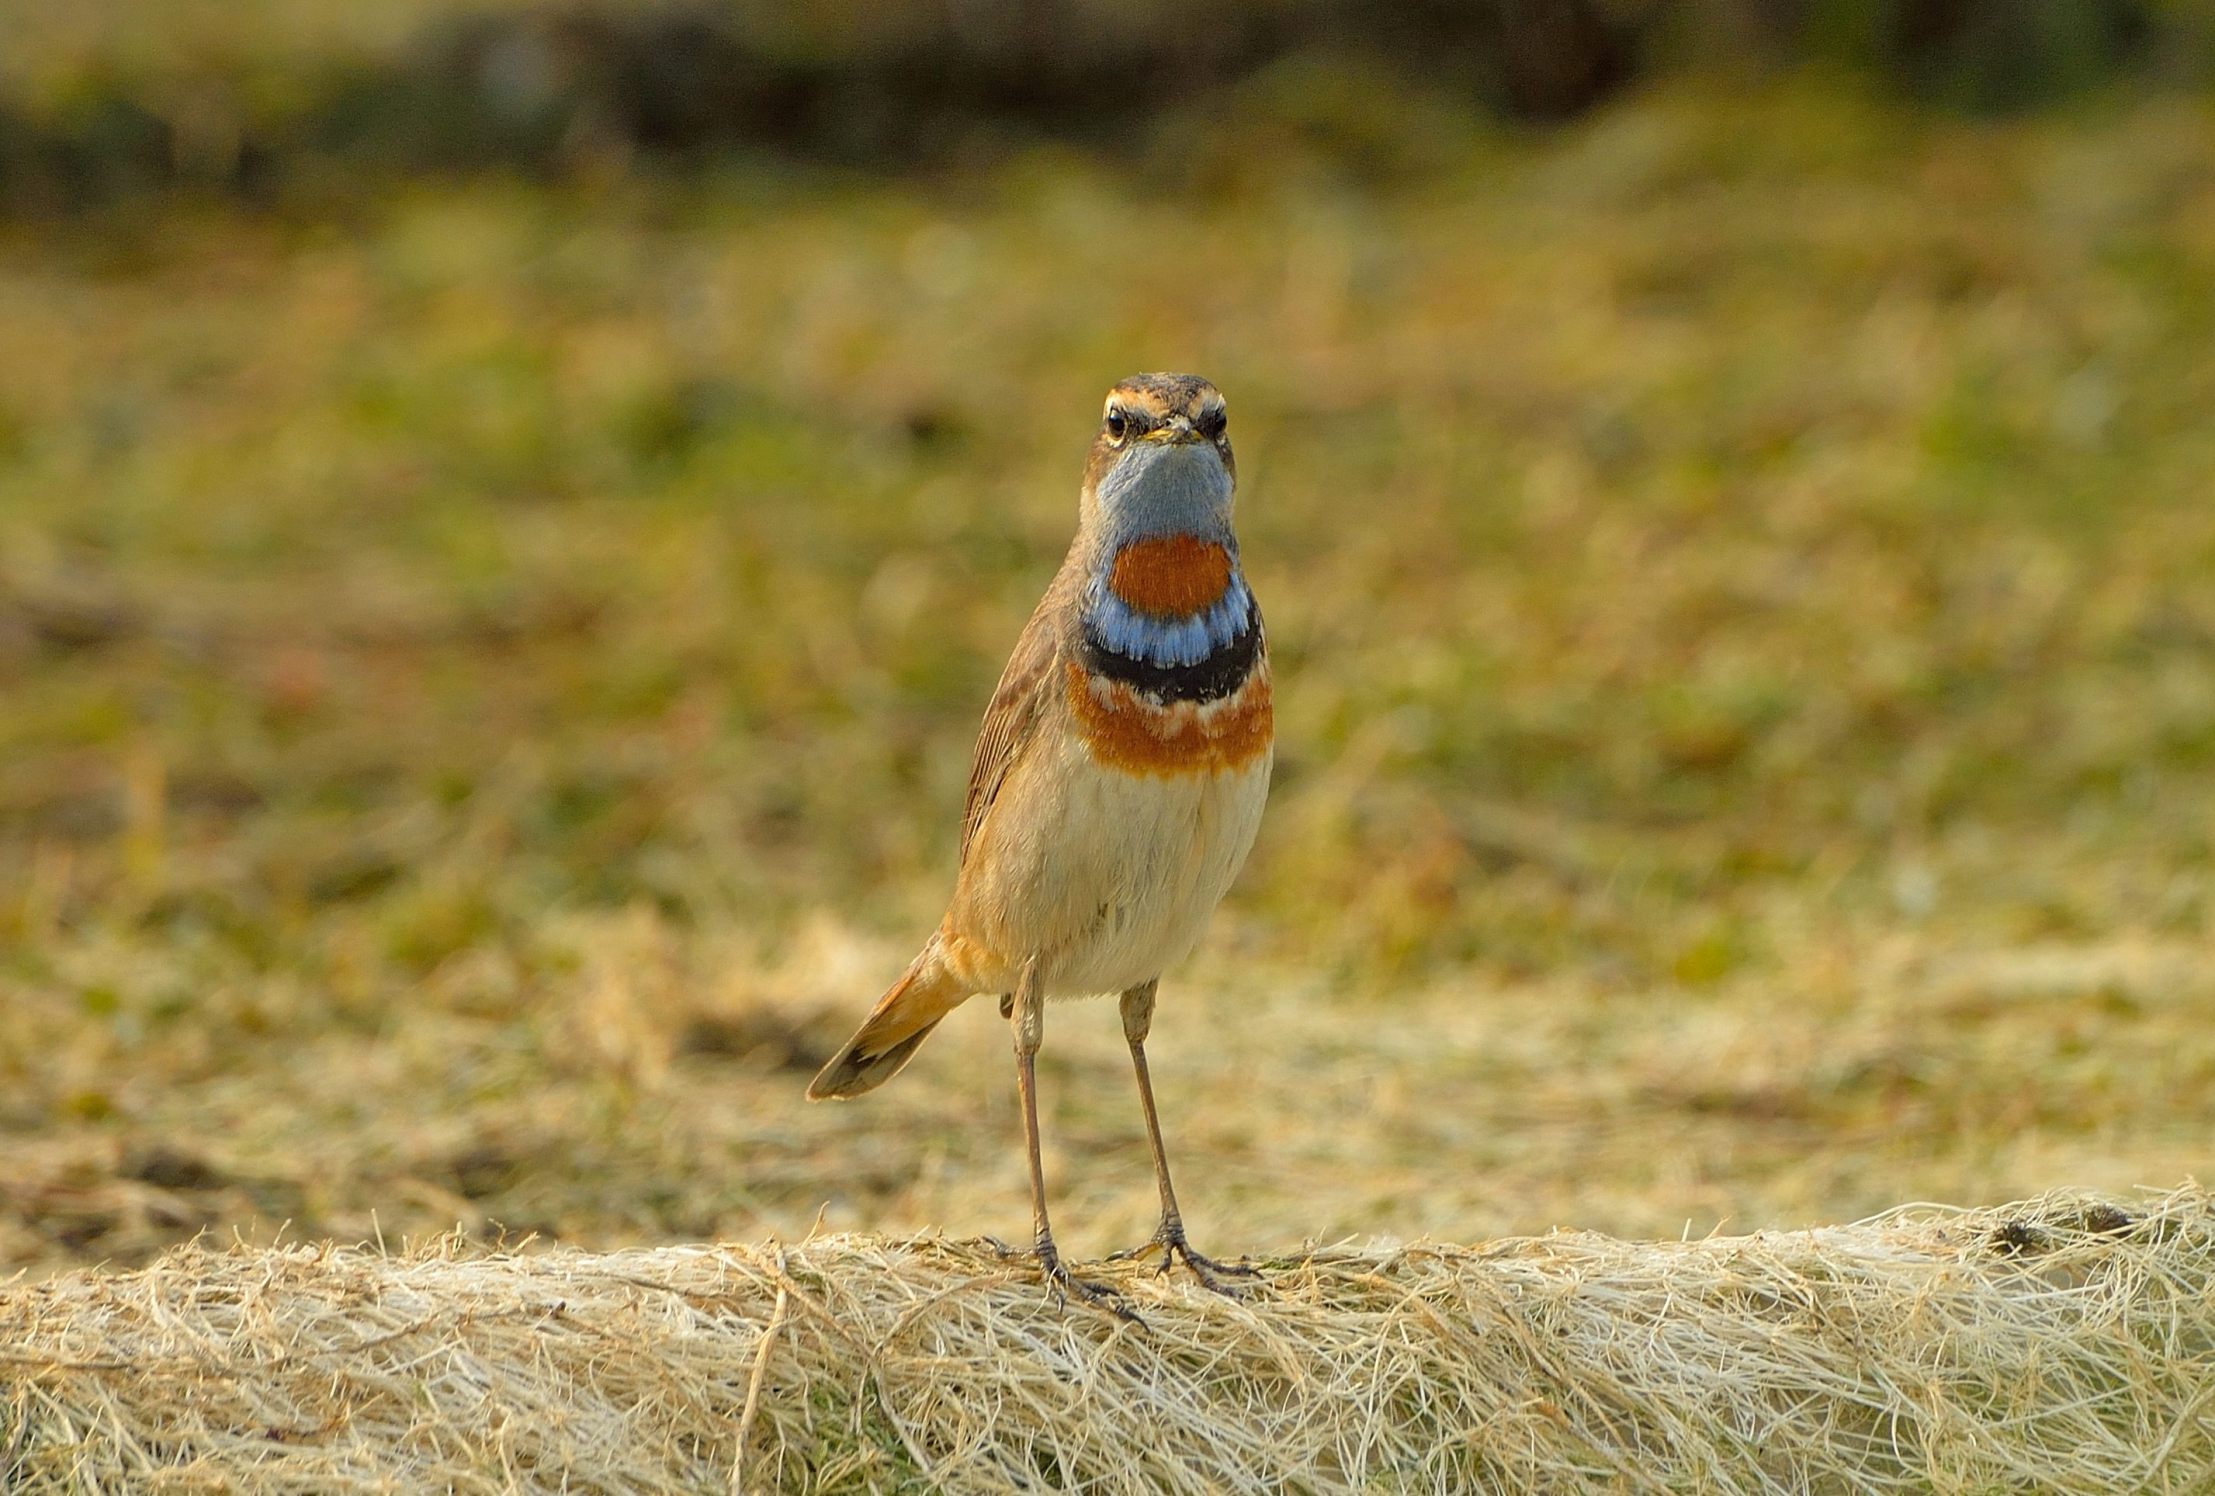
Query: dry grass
{"x": 486, "y": 682}
{"x": 2063, "y": 1345}
{"x": 486, "y": 687}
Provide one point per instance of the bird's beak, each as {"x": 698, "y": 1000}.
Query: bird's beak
{"x": 1176, "y": 431}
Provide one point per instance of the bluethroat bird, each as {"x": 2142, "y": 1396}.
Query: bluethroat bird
{"x": 1118, "y": 779}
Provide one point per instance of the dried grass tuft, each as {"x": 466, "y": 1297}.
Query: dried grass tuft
{"x": 2066, "y": 1344}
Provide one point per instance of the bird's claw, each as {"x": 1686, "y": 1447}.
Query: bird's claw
{"x": 1067, "y": 1285}
{"x": 1174, "y": 1249}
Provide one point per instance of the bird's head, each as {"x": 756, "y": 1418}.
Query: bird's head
{"x": 1161, "y": 461}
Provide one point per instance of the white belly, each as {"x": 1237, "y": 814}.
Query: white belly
{"x": 1107, "y": 877}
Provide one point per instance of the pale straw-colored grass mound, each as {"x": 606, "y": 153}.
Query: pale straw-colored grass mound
{"x": 2065, "y": 1344}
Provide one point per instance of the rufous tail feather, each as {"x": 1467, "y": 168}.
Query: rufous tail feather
{"x": 902, "y": 1019}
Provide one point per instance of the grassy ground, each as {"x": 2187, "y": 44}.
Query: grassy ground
{"x": 2056, "y": 1346}
{"x": 486, "y": 686}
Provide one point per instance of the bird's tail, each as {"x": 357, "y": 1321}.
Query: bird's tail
{"x": 896, "y": 1027}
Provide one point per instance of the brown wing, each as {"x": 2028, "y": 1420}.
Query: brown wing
{"x": 1026, "y": 686}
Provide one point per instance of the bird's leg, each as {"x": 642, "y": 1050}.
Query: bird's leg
{"x": 1028, "y": 1015}
{"x": 1138, "y": 1021}
{"x": 1001, "y": 1249}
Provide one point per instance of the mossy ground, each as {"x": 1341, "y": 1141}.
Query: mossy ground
{"x": 487, "y": 678}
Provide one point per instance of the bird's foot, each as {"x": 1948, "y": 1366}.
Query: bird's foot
{"x": 1067, "y": 1285}
{"x": 1175, "y": 1249}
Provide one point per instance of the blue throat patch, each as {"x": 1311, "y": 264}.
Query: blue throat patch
{"x": 1168, "y": 643}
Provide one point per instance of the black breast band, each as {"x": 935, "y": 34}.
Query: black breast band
{"x": 1209, "y": 678}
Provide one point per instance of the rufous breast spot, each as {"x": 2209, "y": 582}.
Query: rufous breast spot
{"x": 1171, "y": 576}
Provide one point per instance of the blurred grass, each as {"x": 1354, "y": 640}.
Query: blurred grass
{"x": 307, "y": 102}
{"x": 486, "y": 679}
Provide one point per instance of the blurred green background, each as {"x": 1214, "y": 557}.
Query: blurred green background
{"x": 509, "y": 517}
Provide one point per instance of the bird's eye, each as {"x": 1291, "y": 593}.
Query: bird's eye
{"x": 1117, "y": 424}
{"x": 1212, "y": 422}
